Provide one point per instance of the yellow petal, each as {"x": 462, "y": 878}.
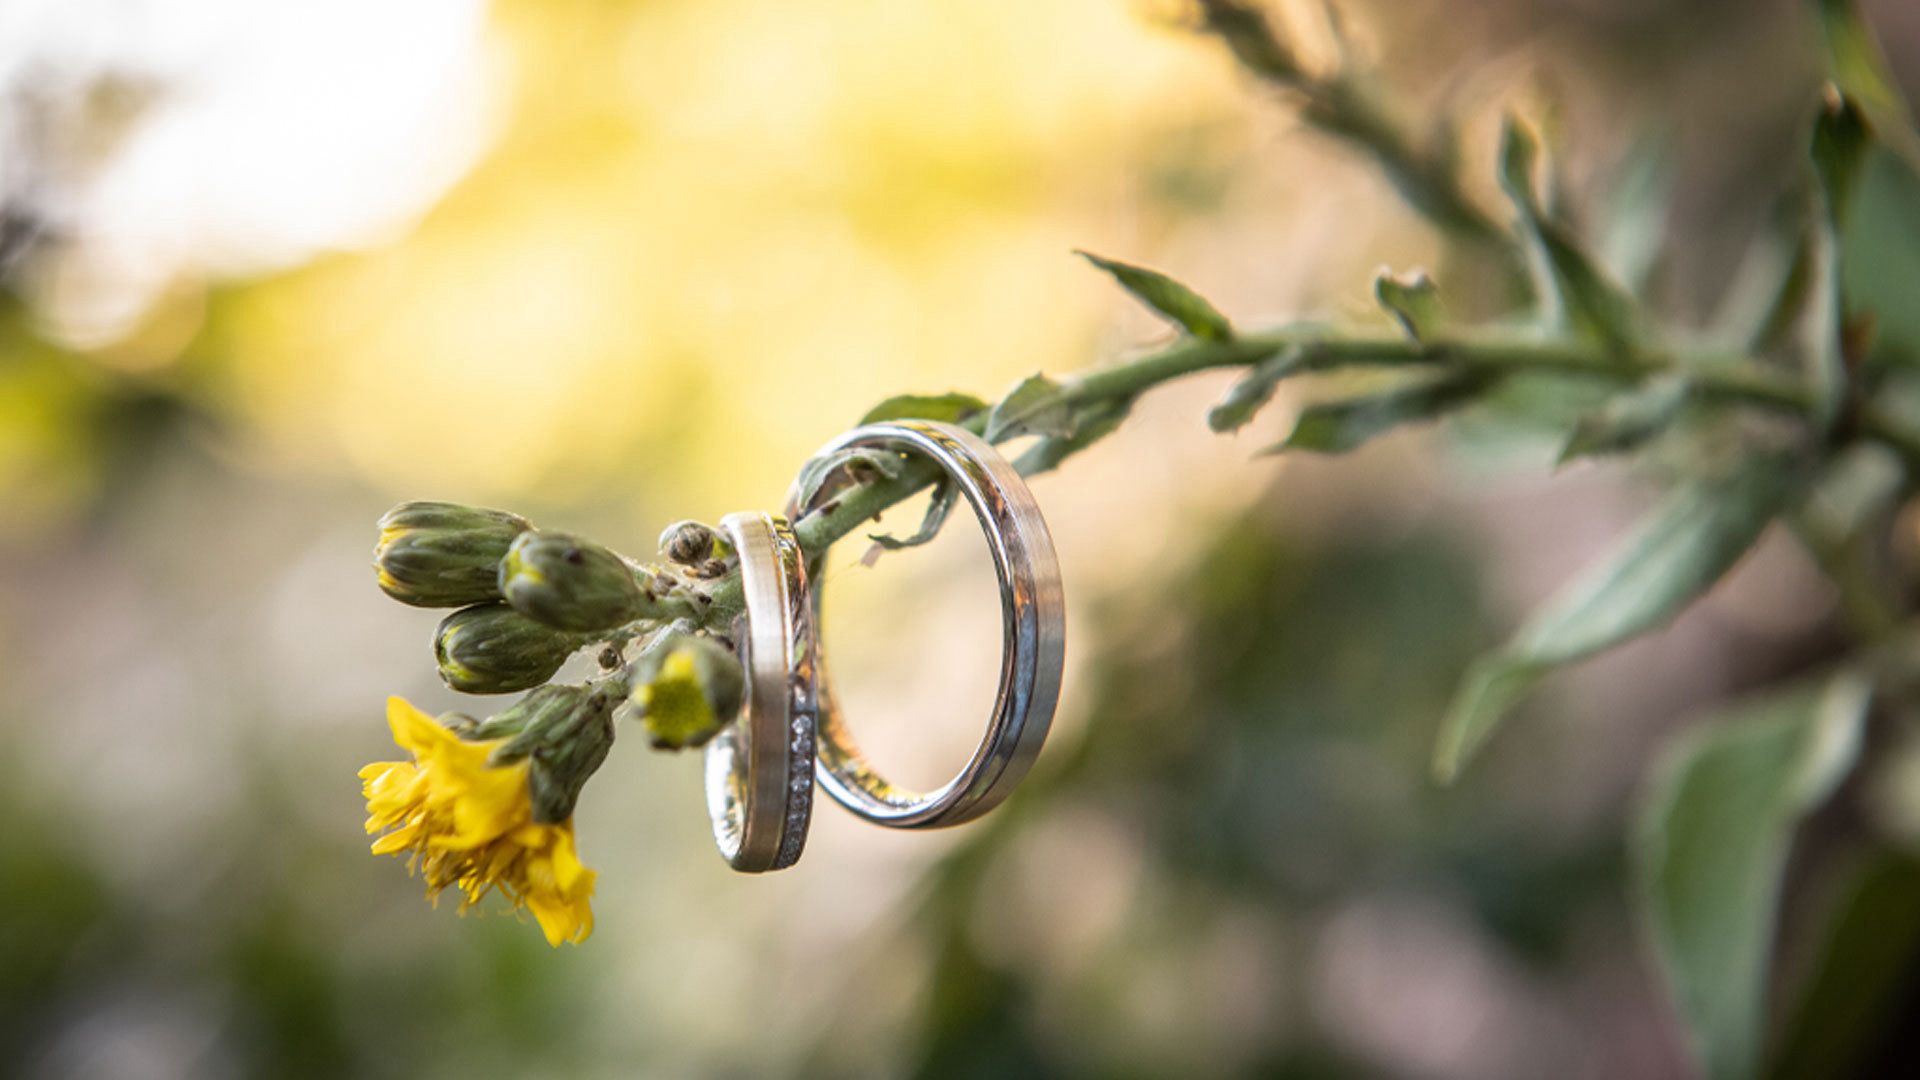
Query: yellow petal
{"x": 385, "y": 779}
{"x": 567, "y": 867}
{"x": 560, "y": 920}
{"x": 493, "y": 804}
{"x": 381, "y": 768}
{"x": 398, "y": 840}
{"x": 414, "y": 730}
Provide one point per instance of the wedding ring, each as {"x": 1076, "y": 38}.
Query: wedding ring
{"x": 1033, "y": 642}
{"x": 759, "y": 771}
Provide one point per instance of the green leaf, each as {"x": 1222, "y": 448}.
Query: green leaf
{"x": 844, "y": 467}
{"x": 1638, "y": 202}
{"x": 1816, "y": 326}
{"x": 1413, "y": 301}
{"x": 945, "y": 494}
{"x": 1335, "y": 427}
{"x": 951, "y": 407}
{"x": 1092, "y": 424}
{"x": 1854, "y": 997}
{"x": 1679, "y": 552}
{"x": 1186, "y": 308}
{"x": 1881, "y": 239}
{"x": 1857, "y": 490}
{"x": 1698, "y": 533}
{"x": 1519, "y": 158}
{"x": 1629, "y": 420}
{"x": 1840, "y": 143}
{"x": 1254, "y": 389}
{"x": 1489, "y": 691}
{"x": 1711, "y": 844}
{"x": 1857, "y": 64}
{"x": 1804, "y": 320}
{"x": 1878, "y": 214}
{"x": 1038, "y": 406}
{"x": 1572, "y": 289}
{"x": 1839, "y": 147}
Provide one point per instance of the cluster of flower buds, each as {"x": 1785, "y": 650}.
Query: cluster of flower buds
{"x": 529, "y": 598}
{"x": 487, "y": 805}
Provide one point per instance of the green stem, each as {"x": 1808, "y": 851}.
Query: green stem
{"x": 1714, "y": 375}
{"x": 1862, "y": 596}
{"x": 1347, "y": 105}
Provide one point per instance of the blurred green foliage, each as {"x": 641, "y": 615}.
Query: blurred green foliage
{"x": 248, "y": 973}
{"x": 1261, "y": 724}
{"x": 1261, "y": 713}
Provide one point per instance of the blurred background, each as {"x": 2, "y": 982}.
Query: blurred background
{"x": 266, "y": 270}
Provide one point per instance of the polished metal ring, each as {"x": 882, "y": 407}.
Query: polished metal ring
{"x": 759, "y": 771}
{"x": 1033, "y": 645}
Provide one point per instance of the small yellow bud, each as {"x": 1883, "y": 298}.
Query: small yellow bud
{"x": 686, "y": 689}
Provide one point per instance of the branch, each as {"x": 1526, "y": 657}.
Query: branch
{"x": 1713, "y": 375}
{"x": 1348, "y": 105}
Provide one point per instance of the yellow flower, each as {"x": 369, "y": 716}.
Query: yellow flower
{"x": 470, "y": 826}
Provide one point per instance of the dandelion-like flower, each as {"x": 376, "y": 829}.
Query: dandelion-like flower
{"x": 470, "y": 825}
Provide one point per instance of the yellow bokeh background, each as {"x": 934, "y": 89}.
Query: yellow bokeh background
{"x": 711, "y": 234}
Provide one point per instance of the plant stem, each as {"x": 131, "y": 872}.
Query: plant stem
{"x": 1713, "y": 375}
{"x": 1347, "y": 105}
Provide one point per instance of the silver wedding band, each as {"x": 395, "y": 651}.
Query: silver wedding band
{"x": 759, "y": 771}
{"x": 1033, "y": 644}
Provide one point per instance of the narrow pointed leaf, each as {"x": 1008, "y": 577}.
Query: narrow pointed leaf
{"x": 1881, "y": 242}
{"x": 1572, "y": 289}
{"x": 1816, "y": 327}
{"x": 1804, "y": 323}
{"x": 1855, "y": 998}
{"x": 1254, "y": 389}
{"x": 1636, "y": 212}
{"x": 1335, "y": 427}
{"x": 951, "y": 407}
{"x": 938, "y": 507}
{"x": 1711, "y": 845}
{"x": 1490, "y": 690}
{"x": 1413, "y": 301}
{"x": 1519, "y": 158}
{"x": 1092, "y": 425}
{"x": 1857, "y": 490}
{"x": 1689, "y": 543}
{"x": 1186, "y": 308}
{"x": 1841, "y": 139}
{"x": 1858, "y": 65}
{"x": 1678, "y": 553}
{"x": 842, "y": 468}
{"x": 1038, "y": 406}
{"x": 1629, "y": 421}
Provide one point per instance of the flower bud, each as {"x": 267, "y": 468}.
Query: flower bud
{"x": 493, "y": 649}
{"x": 568, "y": 583}
{"x": 685, "y": 689}
{"x": 434, "y": 554}
{"x": 567, "y": 731}
{"x": 688, "y": 543}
